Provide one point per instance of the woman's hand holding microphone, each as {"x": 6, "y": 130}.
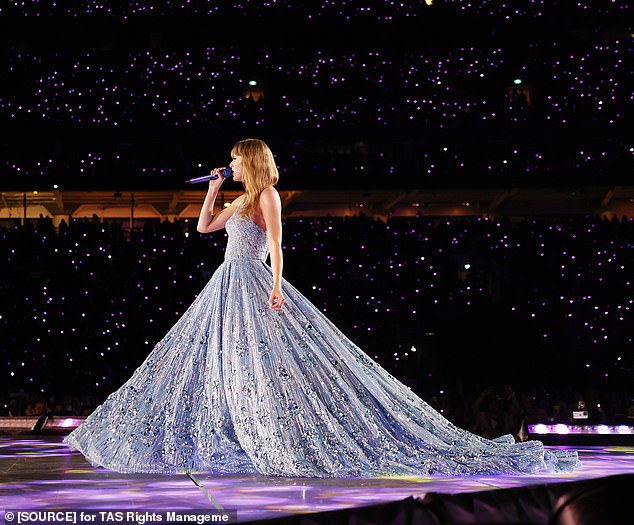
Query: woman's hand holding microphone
{"x": 217, "y": 177}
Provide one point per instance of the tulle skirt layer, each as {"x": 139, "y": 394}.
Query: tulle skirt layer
{"x": 235, "y": 387}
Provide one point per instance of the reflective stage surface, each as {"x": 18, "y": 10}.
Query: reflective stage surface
{"x": 40, "y": 473}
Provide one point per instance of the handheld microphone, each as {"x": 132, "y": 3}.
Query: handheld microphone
{"x": 227, "y": 173}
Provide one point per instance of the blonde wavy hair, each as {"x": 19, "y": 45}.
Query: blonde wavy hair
{"x": 258, "y": 171}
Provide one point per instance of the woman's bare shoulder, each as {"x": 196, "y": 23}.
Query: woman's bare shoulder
{"x": 269, "y": 194}
{"x": 269, "y": 191}
{"x": 270, "y": 201}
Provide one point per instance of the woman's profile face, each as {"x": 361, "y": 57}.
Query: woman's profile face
{"x": 236, "y": 166}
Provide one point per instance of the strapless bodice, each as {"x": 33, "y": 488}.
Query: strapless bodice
{"x": 246, "y": 239}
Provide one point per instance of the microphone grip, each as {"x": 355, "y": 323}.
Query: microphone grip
{"x": 226, "y": 173}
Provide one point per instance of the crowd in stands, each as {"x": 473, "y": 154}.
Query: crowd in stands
{"x": 486, "y": 318}
{"x": 348, "y": 9}
{"x": 547, "y": 101}
{"x": 452, "y": 306}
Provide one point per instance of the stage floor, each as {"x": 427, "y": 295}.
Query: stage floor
{"x": 41, "y": 473}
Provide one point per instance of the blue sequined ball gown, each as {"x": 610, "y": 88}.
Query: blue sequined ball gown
{"x": 236, "y": 387}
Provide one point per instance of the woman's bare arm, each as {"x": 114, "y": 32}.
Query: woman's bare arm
{"x": 207, "y": 221}
{"x": 271, "y": 208}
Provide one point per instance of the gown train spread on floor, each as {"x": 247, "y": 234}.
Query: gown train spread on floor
{"x": 236, "y": 387}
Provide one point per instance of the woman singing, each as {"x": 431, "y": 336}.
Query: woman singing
{"x": 254, "y": 379}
